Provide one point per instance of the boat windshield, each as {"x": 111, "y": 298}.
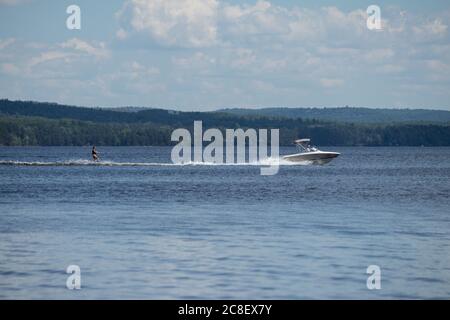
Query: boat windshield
{"x": 306, "y": 147}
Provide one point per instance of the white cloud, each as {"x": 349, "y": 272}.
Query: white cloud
{"x": 54, "y": 61}
{"x": 98, "y": 51}
{"x": 121, "y": 34}
{"x": 290, "y": 25}
{"x": 176, "y": 22}
{"x": 236, "y": 12}
{"x": 48, "y": 56}
{"x": 197, "y": 60}
{"x": 137, "y": 70}
{"x": 257, "y": 19}
{"x": 433, "y": 28}
{"x": 208, "y": 23}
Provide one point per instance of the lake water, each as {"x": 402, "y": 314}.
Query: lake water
{"x": 149, "y": 229}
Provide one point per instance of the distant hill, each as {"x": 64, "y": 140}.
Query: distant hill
{"x": 347, "y": 114}
{"x": 142, "y": 114}
{"x": 127, "y": 109}
{"x": 117, "y": 115}
{"x": 36, "y": 123}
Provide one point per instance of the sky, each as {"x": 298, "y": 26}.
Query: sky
{"x": 209, "y": 54}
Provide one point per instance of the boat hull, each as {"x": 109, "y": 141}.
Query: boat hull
{"x": 317, "y": 157}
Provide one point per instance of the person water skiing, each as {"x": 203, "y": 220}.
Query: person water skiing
{"x": 94, "y": 154}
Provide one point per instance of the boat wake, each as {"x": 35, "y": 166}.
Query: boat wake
{"x": 264, "y": 162}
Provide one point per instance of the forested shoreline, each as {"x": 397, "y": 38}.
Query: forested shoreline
{"x": 40, "y": 124}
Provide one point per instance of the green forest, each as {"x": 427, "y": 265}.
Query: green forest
{"x": 25, "y": 123}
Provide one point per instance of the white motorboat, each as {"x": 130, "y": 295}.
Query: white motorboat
{"x": 310, "y": 154}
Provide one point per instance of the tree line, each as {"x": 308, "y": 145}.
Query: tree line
{"x": 37, "y": 131}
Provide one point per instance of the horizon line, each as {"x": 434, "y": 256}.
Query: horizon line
{"x": 223, "y": 108}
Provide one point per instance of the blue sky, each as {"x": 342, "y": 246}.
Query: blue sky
{"x": 208, "y": 54}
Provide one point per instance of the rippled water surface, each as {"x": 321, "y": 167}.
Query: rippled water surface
{"x": 140, "y": 227}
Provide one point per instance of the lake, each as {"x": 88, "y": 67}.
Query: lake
{"x": 140, "y": 227}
